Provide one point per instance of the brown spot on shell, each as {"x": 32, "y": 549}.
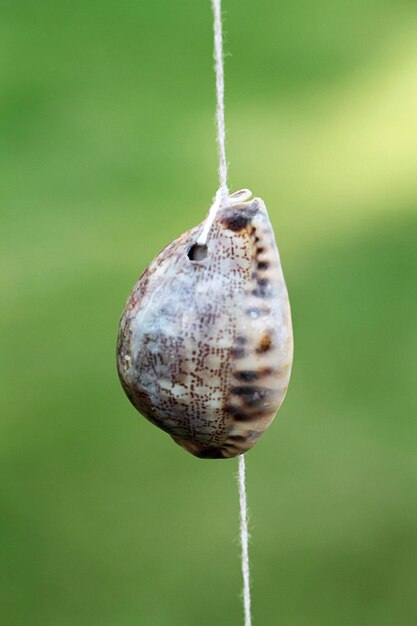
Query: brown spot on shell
{"x": 261, "y": 292}
{"x": 238, "y": 413}
{"x": 263, "y": 265}
{"x": 236, "y": 222}
{"x": 246, "y": 417}
{"x": 240, "y": 216}
{"x": 210, "y": 453}
{"x": 265, "y": 344}
{"x": 247, "y": 376}
{"x": 252, "y": 396}
{"x": 237, "y": 353}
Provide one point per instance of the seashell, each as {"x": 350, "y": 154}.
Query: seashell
{"x": 205, "y": 341}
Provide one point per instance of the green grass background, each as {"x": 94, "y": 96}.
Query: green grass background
{"x": 107, "y": 153}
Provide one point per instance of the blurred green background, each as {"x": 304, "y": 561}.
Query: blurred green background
{"x": 107, "y": 153}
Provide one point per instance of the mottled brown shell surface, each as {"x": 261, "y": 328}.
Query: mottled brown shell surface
{"x": 205, "y": 342}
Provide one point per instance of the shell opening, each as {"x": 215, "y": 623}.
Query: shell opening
{"x": 197, "y": 252}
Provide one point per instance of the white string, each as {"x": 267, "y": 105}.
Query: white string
{"x": 219, "y": 67}
{"x": 221, "y": 197}
{"x": 217, "y": 202}
{"x": 244, "y": 539}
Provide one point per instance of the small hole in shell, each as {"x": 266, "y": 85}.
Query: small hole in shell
{"x": 197, "y": 252}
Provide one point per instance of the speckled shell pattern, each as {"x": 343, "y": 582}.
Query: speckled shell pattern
{"x": 205, "y": 346}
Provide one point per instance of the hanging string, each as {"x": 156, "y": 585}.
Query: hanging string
{"x": 217, "y": 202}
{"x": 244, "y": 539}
{"x": 221, "y": 197}
{"x": 219, "y": 67}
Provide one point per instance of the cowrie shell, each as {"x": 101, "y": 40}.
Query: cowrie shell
{"x": 205, "y": 342}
